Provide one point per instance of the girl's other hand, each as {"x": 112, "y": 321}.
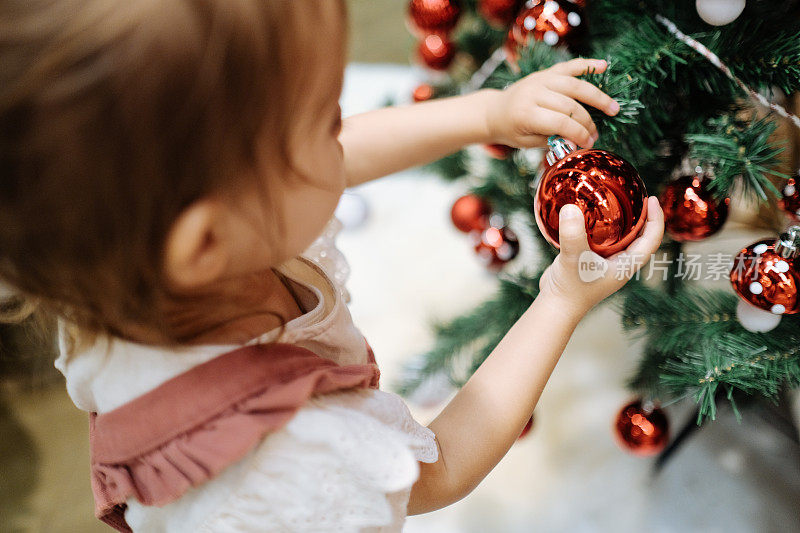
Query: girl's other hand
{"x": 547, "y": 103}
{"x": 580, "y": 278}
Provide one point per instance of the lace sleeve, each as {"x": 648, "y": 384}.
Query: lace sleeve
{"x": 346, "y": 462}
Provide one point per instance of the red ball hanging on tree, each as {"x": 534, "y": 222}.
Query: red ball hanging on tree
{"x": 496, "y": 246}
{"x": 433, "y": 16}
{"x": 470, "y": 213}
{"x": 436, "y": 52}
{"x": 604, "y": 186}
{"x": 691, "y": 212}
{"x": 499, "y": 13}
{"x": 790, "y": 202}
{"x": 554, "y": 22}
{"x": 766, "y": 274}
{"x": 499, "y": 151}
{"x": 642, "y": 428}
{"x": 423, "y": 92}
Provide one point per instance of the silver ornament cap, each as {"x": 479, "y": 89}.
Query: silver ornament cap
{"x": 559, "y": 148}
{"x": 788, "y": 244}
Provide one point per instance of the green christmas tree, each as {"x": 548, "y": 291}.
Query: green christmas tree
{"x": 676, "y": 106}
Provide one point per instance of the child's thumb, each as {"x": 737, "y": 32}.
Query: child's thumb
{"x": 572, "y": 231}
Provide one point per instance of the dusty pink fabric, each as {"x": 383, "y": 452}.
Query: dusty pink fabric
{"x": 190, "y": 428}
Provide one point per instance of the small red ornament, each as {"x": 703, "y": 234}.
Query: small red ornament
{"x": 433, "y": 16}
{"x": 642, "y": 428}
{"x": 499, "y": 151}
{"x": 499, "y": 13}
{"x": 470, "y": 213}
{"x": 436, "y": 52}
{"x": 691, "y": 212}
{"x": 423, "y": 92}
{"x": 496, "y": 246}
{"x": 553, "y": 22}
{"x": 766, "y": 274}
{"x": 526, "y": 429}
{"x": 607, "y": 189}
{"x": 790, "y": 202}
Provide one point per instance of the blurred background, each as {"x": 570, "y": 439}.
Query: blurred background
{"x": 409, "y": 268}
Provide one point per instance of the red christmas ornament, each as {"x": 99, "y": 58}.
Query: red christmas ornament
{"x": 423, "y": 92}
{"x": 470, "y": 213}
{"x": 553, "y": 22}
{"x": 496, "y": 246}
{"x": 766, "y": 274}
{"x": 607, "y": 189}
{"x": 436, "y": 52}
{"x": 642, "y": 428}
{"x": 526, "y": 429}
{"x": 790, "y": 202}
{"x": 433, "y": 16}
{"x": 691, "y": 212}
{"x": 499, "y": 13}
{"x": 499, "y": 151}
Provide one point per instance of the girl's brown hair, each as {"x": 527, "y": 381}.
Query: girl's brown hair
{"x": 116, "y": 116}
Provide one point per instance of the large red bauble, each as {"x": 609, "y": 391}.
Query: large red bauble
{"x": 691, "y": 212}
{"x": 436, "y": 52}
{"x": 604, "y": 186}
{"x": 433, "y": 16}
{"x": 642, "y": 428}
{"x": 471, "y": 213}
{"x": 496, "y": 246}
{"x": 764, "y": 275}
{"x": 499, "y": 13}
{"x": 790, "y": 202}
{"x": 553, "y": 22}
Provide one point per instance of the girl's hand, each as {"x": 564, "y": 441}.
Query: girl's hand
{"x": 546, "y": 103}
{"x": 579, "y": 277}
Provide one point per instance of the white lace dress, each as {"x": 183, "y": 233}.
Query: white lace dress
{"x": 346, "y": 461}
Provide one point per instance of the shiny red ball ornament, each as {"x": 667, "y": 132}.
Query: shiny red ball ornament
{"x": 433, "y": 16}
{"x": 423, "y": 93}
{"x": 470, "y": 213}
{"x": 526, "y": 429}
{"x": 642, "y": 428}
{"x": 499, "y": 151}
{"x": 554, "y": 22}
{"x": 691, "y": 212}
{"x": 496, "y": 246}
{"x": 499, "y": 13}
{"x": 766, "y": 274}
{"x": 436, "y": 52}
{"x": 604, "y": 186}
{"x": 790, "y": 202}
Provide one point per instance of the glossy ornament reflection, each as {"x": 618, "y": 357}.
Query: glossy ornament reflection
{"x": 433, "y": 16}
{"x": 790, "y": 199}
{"x": 553, "y": 22}
{"x": 495, "y": 246}
{"x": 642, "y": 428}
{"x": 691, "y": 212}
{"x": 436, "y": 52}
{"x": 604, "y": 186}
{"x": 766, "y": 274}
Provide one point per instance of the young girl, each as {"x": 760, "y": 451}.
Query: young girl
{"x": 164, "y": 166}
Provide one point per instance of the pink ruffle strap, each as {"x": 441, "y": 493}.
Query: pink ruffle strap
{"x": 190, "y": 428}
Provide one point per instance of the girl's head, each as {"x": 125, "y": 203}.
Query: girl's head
{"x": 152, "y": 150}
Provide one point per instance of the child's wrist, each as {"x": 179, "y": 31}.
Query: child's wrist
{"x": 573, "y": 308}
{"x": 481, "y": 105}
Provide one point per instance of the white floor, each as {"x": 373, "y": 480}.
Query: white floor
{"x": 409, "y": 266}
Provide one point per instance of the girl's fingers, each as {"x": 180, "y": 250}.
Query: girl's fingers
{"x": 583, "y": 91}
{"x": 568, "y": 106}
{"x": 548, "y": 122}
{"x": 579, "y": 66}
{"x": 648, "y": 242}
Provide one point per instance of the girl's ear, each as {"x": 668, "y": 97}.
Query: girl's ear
{"x": 196, "y": 251}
